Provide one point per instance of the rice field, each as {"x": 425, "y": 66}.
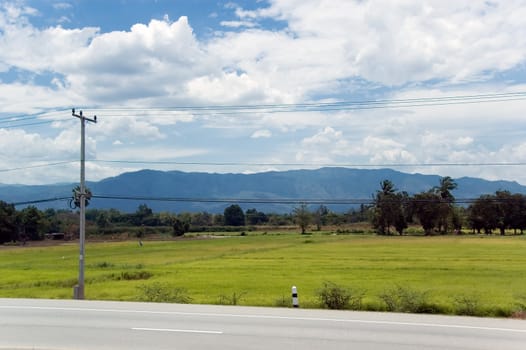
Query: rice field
{"x": 486, "y": 275}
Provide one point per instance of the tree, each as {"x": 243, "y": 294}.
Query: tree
{"x": 103, "y": 220}
{"x": 427, "y": 210}
{"x": 255, "y": 217}
{"x": 482, "y": 214}
{"x": 180, "y": 227}
{"x": 389, "y": 209}
{"x": 518, "y": 217}
{"x": 8, "y": 229}
{"x": 446, "y": 185}
{"x": 320, "y": 216}
{"x": 202, "y": 219}
{"x": 302, "y": 217}
{"x": 234, "y": 216}
{"x": 141, "y": 215}
{"x": 32, "y": 223}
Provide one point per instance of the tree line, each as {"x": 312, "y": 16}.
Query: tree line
{"x": 435, "y": 210}
{"x": 391, "y": 212}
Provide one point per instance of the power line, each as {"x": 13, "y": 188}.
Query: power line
{"x": 363, "y": 165}
{"x": 31, "y": 124}
{"x": 308, "y": 201}
{"x": 339, "y": 104}
{"x": 24, "y": 120}
{"x": 328, "y": 165}
{"x": 37, "y": 166}
{"x": 38, "y": 201}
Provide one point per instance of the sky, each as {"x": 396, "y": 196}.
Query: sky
{"x": 432, "y": 87}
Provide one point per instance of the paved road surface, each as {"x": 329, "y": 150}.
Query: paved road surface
{"x": 84, "y": 325}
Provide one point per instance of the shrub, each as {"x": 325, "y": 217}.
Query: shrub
{"x": 404, "y": 299}
{"x": 336, "y": 297}
{"x": 520, "y": 307}
{"x": 163, "y": 293}
{"x": 104, "y": 265}
{"x": 134, "y": 275}
{"x": 468, "y": 305}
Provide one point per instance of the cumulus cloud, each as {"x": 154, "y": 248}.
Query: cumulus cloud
{"x": 326, "y": 146}
{"x": 331, "y": 50}
{"x": 410, "y": 41}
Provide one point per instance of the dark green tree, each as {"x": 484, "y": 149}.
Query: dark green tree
{"x": 142, "y": 215}
{"x": 103, "y": 220}
{"x": 427, "y": 207}
{"x": 254, "y": 217}
{"x": 33, "y": 223}
{"x": 482, "y": 214}
{"x": 234, "y": 216}
{"x": 518, "y": 217}
{"x": 8, "y": 227}
{"x": 180, "y": 227}
{"x": 388, "y": 209}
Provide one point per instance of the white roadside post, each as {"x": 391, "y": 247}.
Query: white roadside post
{"x": 295, "y": 302}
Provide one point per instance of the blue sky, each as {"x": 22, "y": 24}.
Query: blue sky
{"x": 136, "y": 64}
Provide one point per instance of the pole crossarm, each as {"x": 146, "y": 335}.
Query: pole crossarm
{"x": 81, "y": 117}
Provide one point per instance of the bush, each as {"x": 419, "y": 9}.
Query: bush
{"x": 163, "y": 293}
{"x": 134, "y": 275}
{"x": 468, "y": 306}
{"x": 520, "y": 308}
{"x": 404, "y": 299}
{"x": 336, "y": 297}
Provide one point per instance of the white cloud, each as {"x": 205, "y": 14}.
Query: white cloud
{"x": 329, "y": 49}
{"x": 237, "y": 24}
{"x": 397, "y": 42}
{"x": 261, "y": 134}
{"x": 62, "y": 6}
{"x": 326, "y": 146}
{"x": 227, "y": 88}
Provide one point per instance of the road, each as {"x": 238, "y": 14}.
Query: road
{"x": 86, "y": 325}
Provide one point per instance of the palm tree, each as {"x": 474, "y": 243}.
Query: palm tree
{"x": 446, "y": 185}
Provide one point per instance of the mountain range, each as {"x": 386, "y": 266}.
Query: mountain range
{"x": 194, "y": 191}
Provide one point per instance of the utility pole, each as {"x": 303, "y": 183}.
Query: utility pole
{"x": 78, "y": 292}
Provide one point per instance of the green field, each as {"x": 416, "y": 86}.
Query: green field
{"x": 470, "y": 275}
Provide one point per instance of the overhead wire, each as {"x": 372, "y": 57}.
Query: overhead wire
{"x": 14, "y": 121}
{"x": 287, "y": 201}
{"x": 38, "y": 166}
{"x": 362, "y": 165}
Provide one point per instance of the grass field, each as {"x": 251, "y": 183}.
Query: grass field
{"x": 468, "y": 274}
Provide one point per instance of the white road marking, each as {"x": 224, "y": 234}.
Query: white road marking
{"x": 176, "y": 330}
{"x": 295, "y": 318}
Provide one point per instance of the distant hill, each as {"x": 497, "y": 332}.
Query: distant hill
{"x": 324, "y": 183}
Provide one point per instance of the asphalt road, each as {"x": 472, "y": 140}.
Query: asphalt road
{"x": 67, "y": 324}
